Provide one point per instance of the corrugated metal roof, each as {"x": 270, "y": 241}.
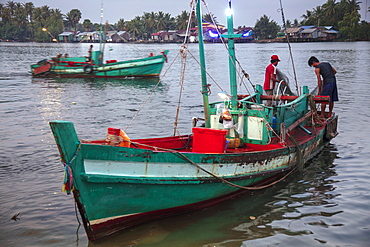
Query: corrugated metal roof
{"x": 293, "y": 29}
{"x": 309, "y": 30}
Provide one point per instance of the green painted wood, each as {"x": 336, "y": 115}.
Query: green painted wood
{"x": 66, "y": 146}
{"x": 75, "y": 67}
{"x": 203, "y": 67}
{"x": 232, "y": 59}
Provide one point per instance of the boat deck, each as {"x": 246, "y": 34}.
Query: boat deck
{"x": 184, "y": 143}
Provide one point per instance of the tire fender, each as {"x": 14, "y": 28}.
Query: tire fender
{"x": 88, "y": 69}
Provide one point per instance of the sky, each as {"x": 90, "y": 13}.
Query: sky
{"x": 246, "y": 12}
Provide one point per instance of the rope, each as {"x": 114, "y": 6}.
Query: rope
{"x": 183, "y": 53}
{"x": 151, "y": 93}
{"x": 68, "y": 176}
{"x": 206, "y": 72}
{"x": 226, "y": 46}
{"x": 290, "y": 48}
{"x": 299, "y": 151}
{"x": 182, "y": 156}
{"x": 228, "y": 182}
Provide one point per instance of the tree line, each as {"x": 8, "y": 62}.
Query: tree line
{"x": 25, "y": 22}
{"x": 342, "y": 15}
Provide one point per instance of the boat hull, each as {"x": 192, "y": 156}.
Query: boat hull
{"x": 79, "y": 68}
{"x": 119, "y": 187}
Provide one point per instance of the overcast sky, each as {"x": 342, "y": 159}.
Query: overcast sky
{"x": 246, "y": 12}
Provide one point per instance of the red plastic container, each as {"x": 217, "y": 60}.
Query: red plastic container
{"x": 114, "y": 131}
{"x": 209, "y": 140}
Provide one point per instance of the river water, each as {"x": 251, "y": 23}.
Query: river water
{"x": 327, "y": 204}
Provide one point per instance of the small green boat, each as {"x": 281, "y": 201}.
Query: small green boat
{"x": 85, "y": 67}
{"x": 120, "y": 182}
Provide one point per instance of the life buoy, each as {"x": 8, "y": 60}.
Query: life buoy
{"x": 88, "y": 69}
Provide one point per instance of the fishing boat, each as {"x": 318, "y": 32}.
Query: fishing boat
{"x": 118, "y": 182}
{"x": 94, "y": 67}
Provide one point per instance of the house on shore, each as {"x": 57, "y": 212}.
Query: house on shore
{"x": 118, "y": 37}
{"x": 309, "y": 34}
{"x": 165, "y": 36}
{"x": 67, "y": 37}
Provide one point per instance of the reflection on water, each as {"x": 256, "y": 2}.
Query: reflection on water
{"x": 102, "y": 82}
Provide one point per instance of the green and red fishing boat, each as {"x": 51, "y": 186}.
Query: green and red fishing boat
{"x": 245, "y": 145}
{"x": 94, "y": 67}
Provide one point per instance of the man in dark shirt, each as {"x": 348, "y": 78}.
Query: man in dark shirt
{"x": 327, "y": 85}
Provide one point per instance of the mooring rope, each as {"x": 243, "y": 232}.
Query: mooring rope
{"x": 68, "y": 176}
{"x": 182, "y": 156}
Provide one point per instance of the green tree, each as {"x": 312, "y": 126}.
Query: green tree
{"x": 87, "y": 24}
{"x": 295, "y": 23}
{"x": 348, "y": 27}
{"x": 266, "y": 28}
{"x": 288, "y": 23}
{"x": 210, "y": 18}
{"x": 168, "y": 21}
{"x": 181, "y": 21}
{"x": 134, "y": 27}
{"x": 29, "y": 8}
{"x": 306, "y": 17}
{"x": 121, "y": 25}
{"x": 364, "y": 31}
{"x": 73, "y": 17}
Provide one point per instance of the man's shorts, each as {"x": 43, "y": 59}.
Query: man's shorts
{"x": 330, "y": 89}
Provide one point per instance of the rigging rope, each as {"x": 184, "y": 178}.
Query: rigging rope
{"x": 290, "y": 48}
{"x": 150, "y": 94}
{"x": 183, "y": 53}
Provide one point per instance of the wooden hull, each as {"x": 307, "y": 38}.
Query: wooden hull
{"x": 119, "y": 187}
{"x": 79, "y": 68}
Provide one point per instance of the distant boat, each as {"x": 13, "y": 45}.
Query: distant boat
{"x": 120, "y": 182}
{"x": 84, "y": 67}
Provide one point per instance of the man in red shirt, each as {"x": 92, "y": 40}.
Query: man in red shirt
{"x": 270, "y": 78}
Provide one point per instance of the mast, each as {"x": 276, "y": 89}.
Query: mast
{"x": 231, "y": 48}
{"x": 205, "y": 89}
{"x": 101, "y": 31}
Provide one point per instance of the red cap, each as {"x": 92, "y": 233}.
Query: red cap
{"x": 275, "y": 57}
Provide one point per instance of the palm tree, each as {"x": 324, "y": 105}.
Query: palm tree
{"x": 73, "y": 17}
{"x": 121, "y": 24}
{"x": 306, "y": 16}
{"x": 134, "y": 26}
{"x": 182, "y": 20}
{"x": 330, "y": 12}
{"x": 295, "y": 23}
{"x": 169, "y": 21}
{"x": 161, "y": 22}
{"x": 11, "y": 5}
{"x": 29, "y": 8}
{"x": 5, "y": 15}
{"x": 330, "y": 8}
{"x": 353, "y": 6}
{"x": 318, "y": 14}
{"x": 150, "y": 20}
{"x": 87, "y": 24}
{"x": 20, "y": 16}
{"x": 210, "y": 18}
